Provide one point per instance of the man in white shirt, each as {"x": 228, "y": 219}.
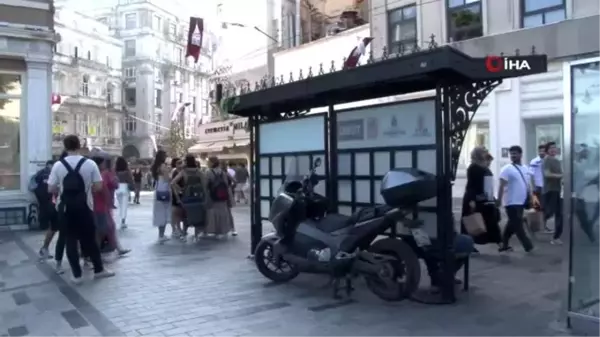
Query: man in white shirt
{"x": 515, "y": 193}
{"x": 74, "y": 178}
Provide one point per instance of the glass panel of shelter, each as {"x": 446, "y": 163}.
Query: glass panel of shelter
{"x": 273, "y": 168}
{"x": 360, "y": 172}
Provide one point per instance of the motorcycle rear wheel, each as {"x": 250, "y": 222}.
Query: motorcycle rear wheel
{"x": 266, "y": 264}
{"x": 399, "y": 278}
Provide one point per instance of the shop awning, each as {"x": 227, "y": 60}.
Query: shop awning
{"x": 217, "y": 146}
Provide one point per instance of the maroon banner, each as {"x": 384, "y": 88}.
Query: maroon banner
{"x": 195, "y": 34}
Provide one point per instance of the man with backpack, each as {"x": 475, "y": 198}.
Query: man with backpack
{"x": 74, "y": 178}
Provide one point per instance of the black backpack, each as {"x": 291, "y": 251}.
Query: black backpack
{"x": 218, "y": 187}
{"x": 193, "y": 192}
{"x": 73, "y": 195}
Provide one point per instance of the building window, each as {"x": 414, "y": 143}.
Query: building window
{"x": 129, "y": 48}
{"x": 194, "y": 104}
{"x": 192, "y": 82}
{"x": 172, "y": 29}
{"x": 130, "y": 98}
{"x": 179, "y": 55}
{"x": 157, "y": 23}
{"x": 477, "y": 135}
{"x": 402, "y": 29}
{"x": 89, "y": 56}
{"x": 109, "y": 93}
{"x": 157, "y": 122}
{"x": 130, "y": 21}
{"x": 76, "y": 52}
{"x": 85, "y": 85}
{"x": 130, "y": 123}
{"x": 158, "y": 98}
{"x": 129, "y": 72}
{"x": 464, "y": 20}
{"x": 10, "y": 114}
{"x": 542, "y": 12}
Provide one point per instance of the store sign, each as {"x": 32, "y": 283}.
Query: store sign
{"x": 226, "y": 127}
{"x": 402, "y": 124}
{"x": 351, "y": 130}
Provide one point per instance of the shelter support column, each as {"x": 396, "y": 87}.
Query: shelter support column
{"x": 456, "y": 106}
{"x": 255, "y": 202}
{"x": 332, "y": 159}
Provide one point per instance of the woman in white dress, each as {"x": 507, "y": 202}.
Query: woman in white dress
{"x": 161, "y": 210}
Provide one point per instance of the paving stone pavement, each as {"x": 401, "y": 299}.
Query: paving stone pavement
{"x": 211, "y": 289}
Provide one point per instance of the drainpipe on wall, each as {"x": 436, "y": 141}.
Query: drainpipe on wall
{"x": 298, "y": 23}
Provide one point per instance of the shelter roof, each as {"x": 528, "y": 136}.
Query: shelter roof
{"x": 392, "y": 75}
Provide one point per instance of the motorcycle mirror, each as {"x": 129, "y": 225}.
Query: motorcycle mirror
{"x": 317, "y": 162}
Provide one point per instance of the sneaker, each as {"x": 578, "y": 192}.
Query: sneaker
{"x": 44, "y": 254}
{"x": 505, "y": 249}
{"x": 58, "y": 268}
{"x": 557, "y": 242}
{"x": 104, "y": 274}
{"x": 162, "y": 239}
{"x": 548, "y": 230}
{"x": 234, "y": 233}
{"x": 87, "y": 264}
{"x": 530, "y": 251}
{"x": 124, "y": 252}
{"x": 76, "y": 280}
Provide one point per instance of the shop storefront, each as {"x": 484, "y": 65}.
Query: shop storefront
{"x": 227, "y": 140}
{"x": 582, "y": 155}
{"x": 25, "y": 119}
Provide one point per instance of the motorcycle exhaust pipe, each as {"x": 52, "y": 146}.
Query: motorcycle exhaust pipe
{"x": 303, "y": 263}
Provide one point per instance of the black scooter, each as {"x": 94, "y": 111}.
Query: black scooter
{"x": 308, "y": 240}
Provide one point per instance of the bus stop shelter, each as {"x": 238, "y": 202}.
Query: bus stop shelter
{"x": 359, "y": 145}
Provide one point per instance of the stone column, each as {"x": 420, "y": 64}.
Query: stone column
{"x": 39, "y": 115}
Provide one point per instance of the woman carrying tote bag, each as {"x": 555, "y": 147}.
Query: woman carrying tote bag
{"x": 480, "y": 216}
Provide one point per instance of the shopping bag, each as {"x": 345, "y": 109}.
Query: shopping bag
{"x": 474, "y": 224}
{"x": 534, "y": 220}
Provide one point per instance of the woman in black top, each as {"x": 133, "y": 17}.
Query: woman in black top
{"x": 137, "y": 183}
{"x": 177, "y": 213}
{"x": 479, "y": 197}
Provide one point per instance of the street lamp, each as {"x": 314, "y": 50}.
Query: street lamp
{"x": 225, "y": 25}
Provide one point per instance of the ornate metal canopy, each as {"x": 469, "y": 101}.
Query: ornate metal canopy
{"x": 392, "y": 74}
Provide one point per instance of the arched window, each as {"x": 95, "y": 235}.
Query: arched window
{"x": 85, "y": 83}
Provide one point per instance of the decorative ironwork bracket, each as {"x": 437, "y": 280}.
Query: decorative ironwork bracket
{"x": 282, "y": 116}
{"x": 464, "y": 101}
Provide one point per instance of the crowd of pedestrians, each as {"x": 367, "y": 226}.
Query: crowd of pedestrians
{"x": 77, "y": 196}
{"x": 534, "y": 189}
{"x": 187, "y": 195}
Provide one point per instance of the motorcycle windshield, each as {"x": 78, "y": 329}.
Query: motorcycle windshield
{"x": 293, "y": 177}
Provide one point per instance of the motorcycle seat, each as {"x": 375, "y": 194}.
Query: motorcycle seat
{"x": 333, "y": 222}
{"x": 368, "y": 213}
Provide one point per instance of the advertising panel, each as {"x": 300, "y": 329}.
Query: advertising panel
{"x": 403, "y": 124}
{"x": 297, "y": 135}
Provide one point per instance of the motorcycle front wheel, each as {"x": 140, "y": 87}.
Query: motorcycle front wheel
{"x": 398, "y": 278}
{"x": 276, "y": 271}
